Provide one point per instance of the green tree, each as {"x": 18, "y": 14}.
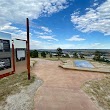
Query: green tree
{"x": 81, "y": 56}
{"x": 97, "y": 56}
{"x": 34, "y": 54}
{"x": 75, "y": 55}
{"x": 43, "y": 54}
{"x": 67, "y": 56}
{"x": 59, "y": 52}
{"x": 50, "y": 55}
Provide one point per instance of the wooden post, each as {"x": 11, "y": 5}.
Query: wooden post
{"x": 28, "y": 49}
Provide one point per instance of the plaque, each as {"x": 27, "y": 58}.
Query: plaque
{"x": 20, "y": 54}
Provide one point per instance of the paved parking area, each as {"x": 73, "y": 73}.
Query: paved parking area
{"x": 61, "y": 89}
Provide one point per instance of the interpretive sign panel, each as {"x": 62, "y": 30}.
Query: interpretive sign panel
{"x": 5, "y": 53}
{"x": 21, "y": 57}
{"x": 4, "y": 45}
{"x": 20, "y": 54}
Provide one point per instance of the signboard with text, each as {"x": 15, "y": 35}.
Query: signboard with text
{"x": 20, "y": 54}
{"x": 4, "y": 45}
{"x": 5, "y": 52}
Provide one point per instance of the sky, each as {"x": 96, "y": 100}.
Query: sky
{"x": 68, "y": 24}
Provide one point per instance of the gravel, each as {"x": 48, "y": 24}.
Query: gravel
{"x": 23, "y": 100}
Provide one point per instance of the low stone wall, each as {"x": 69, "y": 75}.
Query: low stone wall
{"x": 99, "y": 67}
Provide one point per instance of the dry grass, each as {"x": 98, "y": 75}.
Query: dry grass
{"x": 99, "y": 91}
{"x": 13, "y": 84}
{"x": 52, "y": 59}
{"x": 56, "y": 59}
{"x": 32, "y": 63}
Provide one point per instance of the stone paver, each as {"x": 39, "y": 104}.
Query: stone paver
{"x": 61, "y": 88}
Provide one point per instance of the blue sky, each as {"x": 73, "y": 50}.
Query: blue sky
{"x": 69, "y": 24}
{"x": 5, "y": 36}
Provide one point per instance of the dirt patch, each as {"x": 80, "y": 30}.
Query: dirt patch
{"x": 16, "y": 87}
{"x": 99, "y": 92}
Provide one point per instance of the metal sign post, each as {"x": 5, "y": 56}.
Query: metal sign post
{"x": 13, "y": 56}
{"x": 28, "y": 49}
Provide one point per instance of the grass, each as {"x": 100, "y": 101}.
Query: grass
{"x": 99, "y": 91}
{"x": 13, "y": 84}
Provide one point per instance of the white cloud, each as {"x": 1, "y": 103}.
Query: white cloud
{"x": 46, "y": 29}
{"x": 63, "y": 46}
{"x": 12, "y": 12}
{"x": 96, "y": 45}
{"x": 20, "y": 35}
{"x": 46, "y": 45}
{"x": 35, "y": 44}
{"x": 48, "y": 38}
{"x": 8, "y": 27}
{"x": 75, "y": 38}
{"x": 14, "y": 31}
{"x": 94, "y": 20}
{"x": 39, "y": 33}
{"x": 18, "y": 11}
{"x": 95, "y": 4}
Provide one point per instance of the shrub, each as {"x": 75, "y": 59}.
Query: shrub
{"x": 34, "y": 54}
{"x": 43, "y": 54}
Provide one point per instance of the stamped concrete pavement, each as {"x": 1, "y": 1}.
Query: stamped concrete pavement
{"x": 61, "y": 89}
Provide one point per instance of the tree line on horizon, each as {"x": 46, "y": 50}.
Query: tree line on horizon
{"x": 35, "y": 53}
{"x": 59, "y": 52}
